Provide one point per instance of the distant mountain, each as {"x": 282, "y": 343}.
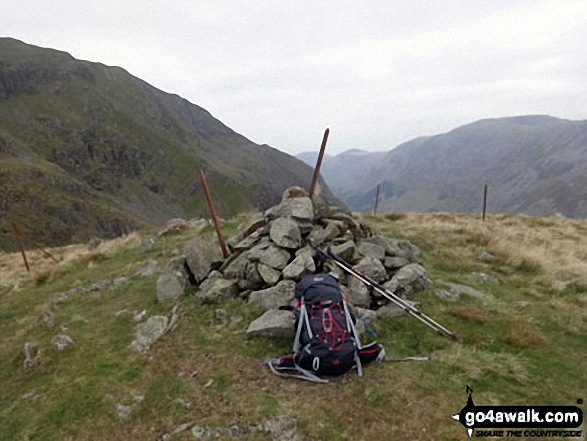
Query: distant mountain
{"x": 87, "y": 149}
{"x": 533, "y": 165}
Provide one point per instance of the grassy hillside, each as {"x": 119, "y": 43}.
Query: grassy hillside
{"x": 87, "y": 149}
{"x": 509, "y": 352}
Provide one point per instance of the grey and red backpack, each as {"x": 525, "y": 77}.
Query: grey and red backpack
{"x": 326, "y": 340}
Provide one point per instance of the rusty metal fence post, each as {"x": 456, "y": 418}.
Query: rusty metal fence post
{"x": 484, "y": 202}
{"x": 213, "y": 213}
{"x": 376, "y": 200}
{"x": 318, "y": 164}
{"x": 19, "y": 240}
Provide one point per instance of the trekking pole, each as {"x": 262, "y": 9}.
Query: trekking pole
{"x": 398, "y": 301}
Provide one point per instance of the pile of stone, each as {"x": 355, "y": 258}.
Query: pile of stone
{"x": 275, "y": 249}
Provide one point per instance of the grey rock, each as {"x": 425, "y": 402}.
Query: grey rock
{"x": 173, "y": 226}
{"x": 217, "y": 290}
{"x": 285, "y": 233}
{"x": 255, "y": 253}
{"x": 272, "y": 298}
{"x": 523, "y": 303}
{"x": 123, "y": 411}
{"x": 391, "y": 310}
{"x": 301, "y": 266}
{"x": 345, "y": 251}
{"x": 397, "y": 247}
{"x": 484, "y": 277}
{"x": 215, "y": 275}
{"x": 49, "y": 319}
{"x": 62, "y": 341}
{"x": 94, "y": 243}
{"x": 306, "y": 250}
{"x": 294, "y": 192}
{"x": 170, "y": 286}
{"x": 237, "y": 269}
{"x": 31, "y": 396}
{"x": 365, "y": 314}
{"x": 56, "y": 299}
{"x": 198, "y": 224}
{"x": 148, "y": 332}
{"x": 282, "y": 428}
{"x": 119, "y": 281}
{"x": 299, "y": 209}
{"x": 357, "y": 293}
{"x": 269, "y": 275}
{"x": 146, "y": 271}
{"x": 320, "y": 235}
{"x": 375, "y": 251}
{"x": 394, "y": 263}
{"x": 32, "y": 354}
{"x": 247, "y": 243}
{"x": 372, "y": 268}
{"x": 182, "y": 428}
{"x": 253, "y": 278}
{"x": 336, "y": 271}
{"x": 221, "y": 315}
{"x": 446, "y": 295}
{"x": 485, "y": 256}
{"x": 350, "y": 223}
{"x": 147, "y": 244}
{"x": 102, "y": 284}
{"x": 273, "y": 324}
{"x": 199, "y": 432}
{"x": 200, "y": 256}
{"x": 464, "y": 289}
{"x": 275, "y": 257}
{"x": 140, "y": 316}
{"x": 408, "y": 280}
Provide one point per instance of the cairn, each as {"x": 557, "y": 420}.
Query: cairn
{"x": 275, "y": 249}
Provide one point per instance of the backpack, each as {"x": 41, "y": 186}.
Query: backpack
{"x": 326, "y": 340}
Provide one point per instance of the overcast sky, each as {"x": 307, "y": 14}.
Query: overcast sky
{"x": 377, "y": 73}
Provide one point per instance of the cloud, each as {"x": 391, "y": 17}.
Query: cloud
{"x": 377, "y": 73}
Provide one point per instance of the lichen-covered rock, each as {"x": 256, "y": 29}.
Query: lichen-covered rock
{"x": 394, "y": 263}
{"x": 345, "y": 251}
{"x": 357, "y": 293}
{"x": 275, "y": 257}
{"x": 32, "y": 354}
{"x": 217, "y": 290}
{"x": 300, "y": 209}
{"x": 173, "y": 226}
{"x": 408, "y": 280}
{"x": 274, "y": 323}
{"x": 372, "y": 268}
{"x": 285, "y": 233}
{"x": 321, "y": 235}
{"x": 397, "y": 247}
{"x": 171, "y": 285}
{"x": 375, "y": 251}
{"x": 268, "y": 274}
{"x": 62, "y": 341}
{"x": 147, "y": 244}
{"x": 301, "y": 266}
{"x": 279, "y": 295}
{"x": 200, "y": 256}
{"x": 148, "y": 332}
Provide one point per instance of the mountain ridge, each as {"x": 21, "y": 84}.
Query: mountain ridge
{"x": 532, "y": 164}
{"x": 95, "y": 150}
